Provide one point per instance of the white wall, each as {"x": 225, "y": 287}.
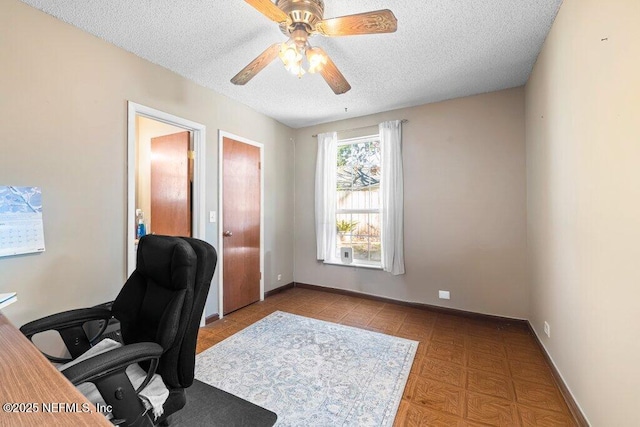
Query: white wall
{"x": 583, "y": 187}
{"x": 63, "y": 126}
{"x": 465, "y": 206}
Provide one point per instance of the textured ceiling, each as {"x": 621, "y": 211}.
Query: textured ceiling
{"x": 443, "y": 49}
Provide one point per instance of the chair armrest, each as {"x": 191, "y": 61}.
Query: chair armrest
{"x": 70, "y": 326}
{"x": 112, "y": 361}
{"x": 108, "y": 372}
{"x": 106, "y": 305}
{"x": 64, "y": 320}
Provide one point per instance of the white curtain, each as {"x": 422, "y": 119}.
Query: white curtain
{"x": 391, "y": 188}
{"x": 326, "y": 171}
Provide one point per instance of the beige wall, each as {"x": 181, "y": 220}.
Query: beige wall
{"x": 583, "y": 185}
{"x": 465, "y": 206}
{"x": 63, "y": 126}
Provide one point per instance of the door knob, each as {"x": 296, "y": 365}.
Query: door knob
{"x": 227, "y": 233}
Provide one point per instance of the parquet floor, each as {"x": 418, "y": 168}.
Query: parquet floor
{"x": 467, "y": 372}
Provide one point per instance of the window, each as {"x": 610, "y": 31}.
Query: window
{"x": 358, "y": 199}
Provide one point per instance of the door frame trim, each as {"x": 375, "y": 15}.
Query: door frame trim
{"x": 221, "y": 135}
{"x": 199, "y": 138}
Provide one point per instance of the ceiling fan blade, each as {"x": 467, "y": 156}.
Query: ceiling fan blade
{"x": 379, "y": 21}
{"x": 333, "y": 76}
{"x": 255, "y": 66}
{"x": 269, "y": 9}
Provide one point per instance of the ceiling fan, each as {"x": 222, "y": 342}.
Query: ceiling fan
{"x": 301, "y": 19}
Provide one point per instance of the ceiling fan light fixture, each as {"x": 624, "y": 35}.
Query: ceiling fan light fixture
{"x": 289, "y": 54}
{"x": 316, "y": 60}
{"x": 297, "y": 70}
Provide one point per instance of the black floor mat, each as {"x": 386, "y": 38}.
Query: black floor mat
{"x": 209, "y": 406}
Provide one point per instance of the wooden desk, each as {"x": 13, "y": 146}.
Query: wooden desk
{"x": 26, "y": 376}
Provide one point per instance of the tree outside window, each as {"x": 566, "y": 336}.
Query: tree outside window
{"x": 358, "y": 199}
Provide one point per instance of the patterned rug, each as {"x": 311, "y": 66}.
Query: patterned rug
{"x": 311, "y": 372}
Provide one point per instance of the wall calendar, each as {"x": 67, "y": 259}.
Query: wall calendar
{"x": 21, "y": 228}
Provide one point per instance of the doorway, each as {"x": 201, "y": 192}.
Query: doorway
{"x": 181, "y": 143}
{"x": 171, "y": 184}
{"x": 241, "y": 225}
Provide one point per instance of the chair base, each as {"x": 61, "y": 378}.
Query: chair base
{"x": 177, "y": 400}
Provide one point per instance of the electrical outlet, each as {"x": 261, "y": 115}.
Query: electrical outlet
{"x": 346, "y": 255}
{"x": 547, "y": 329}
{"x": 279, "y": 277}
{"x": 444, "y": 294}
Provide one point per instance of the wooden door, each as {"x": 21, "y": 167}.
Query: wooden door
{"x": 241, "y": 222}
{"x": 171, "y": 177}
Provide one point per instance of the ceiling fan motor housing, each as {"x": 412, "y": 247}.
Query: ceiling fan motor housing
{"x": 305, "y": 12}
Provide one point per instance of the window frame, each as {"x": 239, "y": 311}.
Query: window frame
{"x": 357, "y": 262}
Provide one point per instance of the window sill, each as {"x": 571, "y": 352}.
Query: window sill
{"x": 353, "y": 264}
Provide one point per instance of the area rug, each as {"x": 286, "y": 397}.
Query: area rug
{"x": 311, "y": 372}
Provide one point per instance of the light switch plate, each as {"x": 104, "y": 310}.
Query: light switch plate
{"x": 212, "y": 216}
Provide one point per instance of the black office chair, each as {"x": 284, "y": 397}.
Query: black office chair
{"x": 159, "y": 309}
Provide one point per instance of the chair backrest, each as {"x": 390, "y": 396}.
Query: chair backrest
{"x": 155, "y": 302}
{"x": 163, "y": 299}
{"x": 207, "y": 260}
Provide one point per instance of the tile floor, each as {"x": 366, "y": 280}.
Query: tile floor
{"x": 467, "y": 372}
